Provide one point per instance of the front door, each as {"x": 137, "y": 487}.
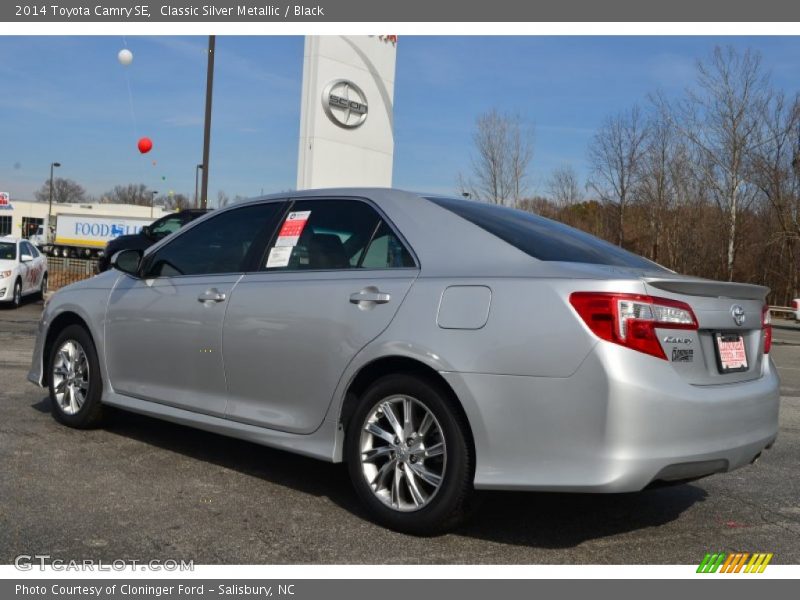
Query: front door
{"x": 164, "y": 330}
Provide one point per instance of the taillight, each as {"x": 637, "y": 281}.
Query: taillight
{"x": 795, "y": 304}
{"x": 766, "y": 325}
{"x": 631, "y": 320}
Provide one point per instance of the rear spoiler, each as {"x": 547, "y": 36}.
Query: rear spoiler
{"x": 710, "y": 288}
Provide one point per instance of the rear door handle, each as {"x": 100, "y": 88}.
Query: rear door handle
{"x": 370, "y": 295}
{"x": 212, "y": 295}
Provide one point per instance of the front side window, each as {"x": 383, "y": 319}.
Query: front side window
{"x": 335, "y": 234}
{"x": 26, "y": 248}
{"x": 221, "y": 244}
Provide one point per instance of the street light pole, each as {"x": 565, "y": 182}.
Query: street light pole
{"x": 152, "y": 201}
{"x": 212, "y": 40}
{"x": 196, "y": 176}
{"x": 50, "y": 204}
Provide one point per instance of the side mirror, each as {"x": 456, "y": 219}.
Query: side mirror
{"x": 127, "y": 261}
{"x": 146, "y": 231}
{"x": 26, "y": 258}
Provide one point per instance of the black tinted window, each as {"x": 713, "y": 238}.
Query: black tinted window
{"x": 542, "y": 238}
{"x": 335, "y": 234}
{"x": 166, "y": 225}
{"x": 8, "y": 250}
{"x": 222, "y": 244}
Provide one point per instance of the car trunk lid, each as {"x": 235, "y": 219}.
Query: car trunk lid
{"x": 726, "y": 312}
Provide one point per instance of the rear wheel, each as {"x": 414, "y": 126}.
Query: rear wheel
{"x": 43, "y": 287}
{"x": 75, "y": 384}
{"x": 409, "y": 457}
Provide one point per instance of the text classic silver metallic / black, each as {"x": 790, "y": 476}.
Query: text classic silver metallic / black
{"x": 434, "y": 345}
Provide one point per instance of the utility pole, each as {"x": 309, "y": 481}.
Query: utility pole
{"x": 207, "y": 130}
{"x": 196, "y": 192}
{"x": 50, "y": 205}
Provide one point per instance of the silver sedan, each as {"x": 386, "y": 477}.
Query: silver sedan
{"x": 437, "y": 346}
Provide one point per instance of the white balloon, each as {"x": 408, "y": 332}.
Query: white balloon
{"x": 125, "y": 57}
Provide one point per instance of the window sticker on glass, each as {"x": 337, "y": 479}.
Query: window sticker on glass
{"x": 279, "y": 256}
{"x": 292, "y": 228}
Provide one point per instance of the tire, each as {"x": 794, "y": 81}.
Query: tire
{"x": 68, "y": 408}
{"x": 422, "y": 508}
{"x": 16, "y": 298}
{"x": 43, "y": 288}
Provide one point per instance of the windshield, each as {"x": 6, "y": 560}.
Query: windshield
{"x": 8, "y": 251}
{"x": 542, "y": 238}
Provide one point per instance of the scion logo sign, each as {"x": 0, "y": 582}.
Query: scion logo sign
{"x": 737, "y": 312}
{"x": 345, "y": 103}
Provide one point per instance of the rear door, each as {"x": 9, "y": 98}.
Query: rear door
{"x": 331, "y": 281}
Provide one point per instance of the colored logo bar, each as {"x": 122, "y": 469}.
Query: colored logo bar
{"x": 736, "y": 562}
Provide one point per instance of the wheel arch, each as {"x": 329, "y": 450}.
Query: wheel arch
{"x": 390, "y": 365}
{"x": 59, "y": 324}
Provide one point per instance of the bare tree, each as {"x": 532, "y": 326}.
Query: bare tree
{"x": 133, "y": 193}
{"x": 774, "y": 168}
{"x": 175, "y": 202}
{"x": 563, "y": 186}
{"x": 721, "y": 119}
{"x": 64, "y": 190}
{"x": 614, "y": 155}
{"x": 503, "y": 153}
{"x": 222, "y": 199}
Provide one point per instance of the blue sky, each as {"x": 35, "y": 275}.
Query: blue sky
{"x": 67, "y": 99}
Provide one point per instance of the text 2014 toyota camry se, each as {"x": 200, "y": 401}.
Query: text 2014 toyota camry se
{"x": 437, "y": 346}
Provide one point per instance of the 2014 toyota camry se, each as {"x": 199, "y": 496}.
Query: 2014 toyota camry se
{"x": 437, "y": 346}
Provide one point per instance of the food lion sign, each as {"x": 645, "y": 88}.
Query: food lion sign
{"x": 5, "y": 201}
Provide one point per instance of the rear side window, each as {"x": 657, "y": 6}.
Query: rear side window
{"x": 542, "y": 238}
{"x": 335, "y": 234}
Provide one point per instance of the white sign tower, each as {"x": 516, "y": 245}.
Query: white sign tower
{"x": 346, "y": 118}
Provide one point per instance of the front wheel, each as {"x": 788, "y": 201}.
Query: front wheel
{"x": 75, "y": 383}
{"x": 409, "y": 457}
{"x": 16, "y": 298}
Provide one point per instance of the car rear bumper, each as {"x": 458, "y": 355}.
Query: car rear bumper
{"x": 623, "y": 421}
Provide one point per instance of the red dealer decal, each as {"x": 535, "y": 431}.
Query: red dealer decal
{"x": 292, "y": 228}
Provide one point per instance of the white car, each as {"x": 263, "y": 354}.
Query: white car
{"x": 23, "y": 270}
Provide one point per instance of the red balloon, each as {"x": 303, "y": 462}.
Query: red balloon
{"x": 145, "y": 145}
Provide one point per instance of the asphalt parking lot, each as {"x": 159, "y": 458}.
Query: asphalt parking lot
{"x": 142, "y": 489}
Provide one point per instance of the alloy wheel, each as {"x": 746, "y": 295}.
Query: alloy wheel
{"x": 71, "y": 377}
{"x": 403, "y": 453}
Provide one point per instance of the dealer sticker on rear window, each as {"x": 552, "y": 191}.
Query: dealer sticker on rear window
{"x": 292, "y": 228}
{"x": 279, "y": 257}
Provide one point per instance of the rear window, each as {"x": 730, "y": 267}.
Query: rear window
{"x": 542, "y": 238}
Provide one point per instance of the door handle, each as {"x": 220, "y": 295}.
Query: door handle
{"x": 212, "y": 295}
{"x": 370, "y": 295}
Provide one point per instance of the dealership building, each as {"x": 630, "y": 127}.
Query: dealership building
{"x": 23, "y": 219}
